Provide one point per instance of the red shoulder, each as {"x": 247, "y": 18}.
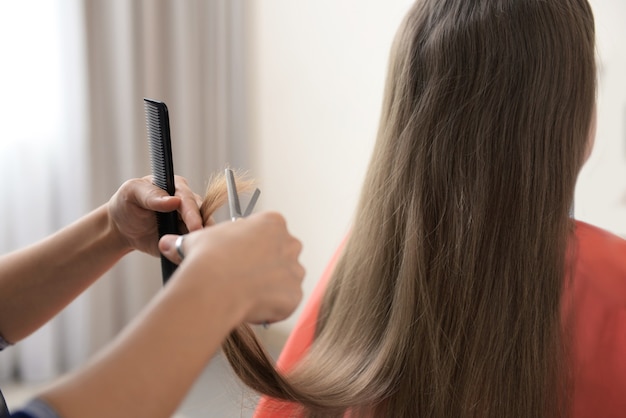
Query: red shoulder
{"x": 601, "y": 262}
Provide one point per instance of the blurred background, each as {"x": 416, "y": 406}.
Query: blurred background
{"x": 288, "y": 90}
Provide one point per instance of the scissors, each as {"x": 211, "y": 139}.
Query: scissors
{"x": 235, "y": 207}
{"x": 233, "y": 198}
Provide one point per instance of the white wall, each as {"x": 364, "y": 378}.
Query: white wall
{"x": 601, "y": 192}
{"x": 317, "y": 74}
{"x": 316, "y": 79}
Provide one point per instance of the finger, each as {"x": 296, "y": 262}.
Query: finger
{"x": 299, "y": 272}
{"x": 294, "y": 248}
{"x": 164, "y": 203}
{"x": 150, "y": 196}
{"x": 167, "y": 247}
{"x": 189, "y": 209}
{"x": 190, "y": 213}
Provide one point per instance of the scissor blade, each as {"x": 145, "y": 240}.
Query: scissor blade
{"x": 253, "y": 199}
{"x": 233, "y": 197}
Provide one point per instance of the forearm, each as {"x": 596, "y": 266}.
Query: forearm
{"x": 38, "y": 281}
{"x": 152, "y": 365}
{"x": 231, "y": 273}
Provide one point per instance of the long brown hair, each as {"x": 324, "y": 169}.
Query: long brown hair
{"x": 446, "y": 300}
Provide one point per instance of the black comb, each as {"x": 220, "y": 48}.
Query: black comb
{"x": 158, "y": 124}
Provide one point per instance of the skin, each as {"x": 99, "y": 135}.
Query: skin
{"x": 233, "y": 272}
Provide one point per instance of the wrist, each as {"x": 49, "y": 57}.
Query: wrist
{"x": 112, "y": 235}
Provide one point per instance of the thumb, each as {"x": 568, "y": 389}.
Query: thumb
{"x": 162, "y": 203}
{"x": 167, "y": 247}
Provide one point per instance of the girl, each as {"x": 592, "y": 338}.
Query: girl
{"x": 465, "y": 288}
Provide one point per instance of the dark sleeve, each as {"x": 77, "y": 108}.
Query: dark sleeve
{"x": 36, "y": 408}
{"x": 3, "y": 343}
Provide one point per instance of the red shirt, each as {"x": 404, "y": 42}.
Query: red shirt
{"x": 598, "y": 293}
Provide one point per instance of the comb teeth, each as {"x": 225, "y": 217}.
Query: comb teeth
{"x": 156, "y": 122}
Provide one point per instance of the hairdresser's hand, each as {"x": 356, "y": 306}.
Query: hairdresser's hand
{"x": 131, "y": 212}
{"x": 254, "y": 261}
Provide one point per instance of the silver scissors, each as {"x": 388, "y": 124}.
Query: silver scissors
{"x": 233, "y": 198}
{"x": 235, "y": 207}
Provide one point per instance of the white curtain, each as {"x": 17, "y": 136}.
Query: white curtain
{"x": 41, "y": 158}
{"x": 72, "y": 145}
